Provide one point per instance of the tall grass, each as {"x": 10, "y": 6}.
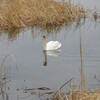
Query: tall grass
{"x": 25, "y": 13}
{"x": 79, "y": 95}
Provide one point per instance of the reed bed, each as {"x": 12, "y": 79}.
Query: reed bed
{"x": 25, "y": 13}
{"x": 79, "y": 95}
{"x": 79, "y": 92}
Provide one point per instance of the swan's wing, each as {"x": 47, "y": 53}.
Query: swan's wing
{"x": 57, "y": 45}
{"x": 50, "y": 43}
{"x": 53, "y": 45}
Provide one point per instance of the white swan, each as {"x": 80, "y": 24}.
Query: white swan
{"x": 51, "y": 45}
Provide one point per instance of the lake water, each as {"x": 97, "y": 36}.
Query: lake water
{"x": 25, "y": 59}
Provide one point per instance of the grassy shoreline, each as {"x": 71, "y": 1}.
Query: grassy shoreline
{"x": 26, "y": 13}
{"x": 79, "y": 95}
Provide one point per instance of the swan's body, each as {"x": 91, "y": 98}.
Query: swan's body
{"x": 51, "y": 45}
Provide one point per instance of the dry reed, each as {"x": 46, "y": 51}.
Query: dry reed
{"x": 25, "y": 13}
{"x": 79, "y": 95}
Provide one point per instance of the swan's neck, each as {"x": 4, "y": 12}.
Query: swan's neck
{"x": 45, "y": 44}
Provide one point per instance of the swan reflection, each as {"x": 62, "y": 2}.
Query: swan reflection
{"x": 53, "y": 53}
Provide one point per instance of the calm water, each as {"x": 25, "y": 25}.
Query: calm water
{"x": 26, "y": 50}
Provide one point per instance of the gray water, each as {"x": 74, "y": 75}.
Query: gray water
{"x": 24, "y": 66}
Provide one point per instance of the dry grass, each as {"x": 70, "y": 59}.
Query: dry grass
{"x": 79, "y": 92}
{"x": 79, "y": 95}
{"x": 25, "y": 13}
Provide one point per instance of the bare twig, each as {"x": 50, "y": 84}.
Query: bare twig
{"x": 62, "y": 87}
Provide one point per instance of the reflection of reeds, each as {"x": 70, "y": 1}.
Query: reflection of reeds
{"x": 4, "y": 78}
{"x": 11, "y": 34}
{"x": 2, "y": 65}
{"x": 25, "y": 13}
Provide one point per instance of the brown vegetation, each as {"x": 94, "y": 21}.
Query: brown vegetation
{"x": 79, "y": 95}
{"x": 25, "y": 13}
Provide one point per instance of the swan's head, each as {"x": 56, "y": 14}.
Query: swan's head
{"x": 44, "y": 37}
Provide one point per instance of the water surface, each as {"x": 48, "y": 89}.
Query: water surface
{"x": 37, "y": 69}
